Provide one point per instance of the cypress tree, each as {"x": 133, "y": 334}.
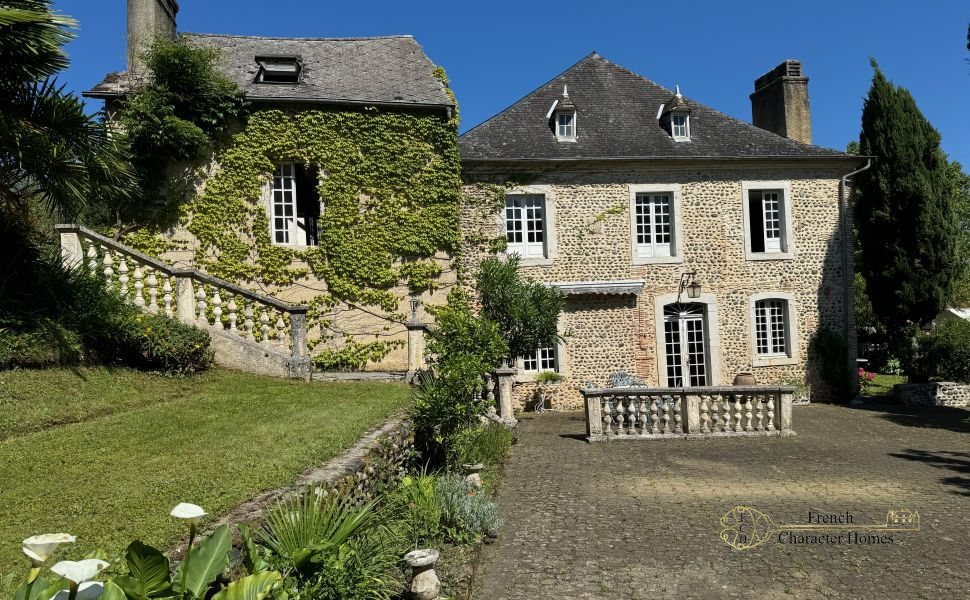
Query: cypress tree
{"x": 904, "y": 212}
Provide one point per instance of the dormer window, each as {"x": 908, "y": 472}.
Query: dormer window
{"x": 562, "y": 116}
{"x": 279, "y": 69}
{"x": 680, "y": 126}
{"x": 674, "y": 116}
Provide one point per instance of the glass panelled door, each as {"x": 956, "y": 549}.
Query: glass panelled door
{"x": 685, "y": 345}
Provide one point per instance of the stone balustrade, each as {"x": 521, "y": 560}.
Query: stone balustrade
{"x": 653, "y": 413}
{"x": 193, "y": 297}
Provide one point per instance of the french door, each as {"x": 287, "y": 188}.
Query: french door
{"x": 685, "y": 345}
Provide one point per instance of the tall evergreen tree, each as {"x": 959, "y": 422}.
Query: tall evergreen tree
{"x": 905, "y": 215}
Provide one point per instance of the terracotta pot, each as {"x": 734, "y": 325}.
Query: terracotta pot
{"x": 745, "y": 378}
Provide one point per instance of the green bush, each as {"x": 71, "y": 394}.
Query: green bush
{"x": 158, "y": 343}
{"x": 487, "y": 444}
{"x": 466, "y": 513}
{"x": 829, "y": 355}
{"x": 416, "y": 506}
{"x": 50, "y": 344}
{"x": 944, "y": 352}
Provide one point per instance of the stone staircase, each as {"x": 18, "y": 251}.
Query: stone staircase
{"x": 250, "y": 331}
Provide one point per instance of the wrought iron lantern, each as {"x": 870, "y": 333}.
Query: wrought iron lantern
{"x": 689, "y": 282}
{"x": 414, "y": 307}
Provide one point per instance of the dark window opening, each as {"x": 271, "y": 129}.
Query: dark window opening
{"x": 279, "y": 69}
{"x": 307, "y": 203}
{"x": 757, "y": 220}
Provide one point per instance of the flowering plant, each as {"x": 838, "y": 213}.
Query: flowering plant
{"x": 865, "y": 380}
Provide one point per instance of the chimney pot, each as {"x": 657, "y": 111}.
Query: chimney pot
{"x": 148, "y": 21}
{"x": 780, "y": 102}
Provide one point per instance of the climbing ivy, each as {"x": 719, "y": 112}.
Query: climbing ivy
{"x": 390, "y": 186}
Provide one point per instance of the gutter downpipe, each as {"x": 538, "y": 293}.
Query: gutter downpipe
{"x": 846, "y": 285}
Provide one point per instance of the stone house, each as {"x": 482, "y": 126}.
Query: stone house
{"x": 691, "y": 246}
{"x": 341, "y": 192}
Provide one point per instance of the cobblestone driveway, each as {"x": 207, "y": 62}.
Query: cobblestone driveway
{"x": 640, "y": 519}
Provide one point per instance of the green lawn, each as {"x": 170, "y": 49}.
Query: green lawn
{"x": 882, "y": 385}
{"x": 136, "y": 445}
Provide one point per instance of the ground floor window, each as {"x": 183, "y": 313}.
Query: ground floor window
{"x": 294, "y": 204}
{"x": 543, "y": 359}
{"x": 770, "y": 324}
{"x": 685, "y": 345}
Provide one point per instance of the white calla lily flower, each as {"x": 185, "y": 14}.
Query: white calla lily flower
{"x": 79, "y": 570}
{"x": 189, "y": 512}
{"x": 39, "y": 547}
{"x": 89, "y": 590}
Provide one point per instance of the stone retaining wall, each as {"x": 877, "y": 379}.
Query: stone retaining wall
{"x": 935, "y": 393}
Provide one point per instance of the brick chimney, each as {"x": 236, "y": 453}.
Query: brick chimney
{"x": 780, "y": 102}
{"x": 148, "y": 20}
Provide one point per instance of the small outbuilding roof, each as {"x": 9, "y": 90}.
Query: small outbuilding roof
{"x": 391, "y": 70}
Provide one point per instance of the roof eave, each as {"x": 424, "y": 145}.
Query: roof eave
{"x": 679, "y": 159}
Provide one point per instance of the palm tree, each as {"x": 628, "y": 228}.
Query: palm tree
{"x": 51, "y": 151}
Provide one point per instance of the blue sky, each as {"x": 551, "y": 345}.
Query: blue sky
{"x": 496, "y": 52}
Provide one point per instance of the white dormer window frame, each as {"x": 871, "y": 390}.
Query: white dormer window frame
{"x": 680, "y": 126}
{"x": 279, "y": 69}
{"x": 566, "y": 125}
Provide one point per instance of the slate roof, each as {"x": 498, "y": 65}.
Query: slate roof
{"x": 391, "y": 70}
{"x": 617, "y": 119}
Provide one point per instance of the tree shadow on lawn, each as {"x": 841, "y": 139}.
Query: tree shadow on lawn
{"x": 958, "y": 462}
{"x": 934, "y": 417}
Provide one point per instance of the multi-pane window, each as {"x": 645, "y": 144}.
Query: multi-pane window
{"x": 679, "y": 126}
{"x": 685, "y": 345}
{"x": 653, "y": 218}
{"x": 770, "y": 327}
{"x": 525, "y": 225}
{"x": 542, "y": 359}
{"x": 766, "y": 211}
{"x": 284, "y": 203}
{"x": 566, "y": 125}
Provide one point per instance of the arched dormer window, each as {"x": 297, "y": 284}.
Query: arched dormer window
{"x": 563, "y": 116}
{"x": 675, "y": 118}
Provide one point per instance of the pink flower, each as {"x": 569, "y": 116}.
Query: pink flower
{"x": 861, "y": 371}
{"x": 869, "y": 375}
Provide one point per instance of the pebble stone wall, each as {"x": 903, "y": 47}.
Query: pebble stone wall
{"x": 606, "y": 334}
{"x": 936, "y": 393}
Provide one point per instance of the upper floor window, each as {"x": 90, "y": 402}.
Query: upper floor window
{"x": 294, "y": 205}
{"x": 566, "y": 125}
{"x": 680, "y": 126}
{"x": 771, "y": 327}
{"x": 767, "y": 220}
{"x": 525, "y": 225}
{"x": 542, "y": 359}
{"x": 279, "y": 69}
{"x": 653, "y": 220}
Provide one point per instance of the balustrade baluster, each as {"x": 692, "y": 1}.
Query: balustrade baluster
{"x": 217, "y": 309}
{"x": 231, "y": 307}
{"x": 715, "y": 414}
{"x": 108, "y": 271}
{"x": 139, "y": 286}
{"x": 152, "y": 281}
{"x": 771, "y": 412}
{"x": 123, "y": 278}
{"x": 726, "y": 407}
{"x": 737, "y": 414}
{"x": 634, "y": 417}
{"x": 678, "y": 418}
{"x": 92, "y": 258}
{"x": 618, "y": 407}
{"x": 654, "y": 419}
{"x": 167, "y": 296}
{"x": 644, "y": 416}
{"x": 747, "y": 413}
{"x": 248, "y": 323}
{"x": 264, "y": 323}
{"x": 759, "y": 414}
{"x": 608, "y": 416}
{"x": 281, "y": 336}
{"x": 201, "y": 304}
{"x": 666, "y": 414}
{"x": 704, "y": 418}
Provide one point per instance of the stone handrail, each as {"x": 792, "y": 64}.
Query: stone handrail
{"x": 649, "y": 413}
{"x": 191, "y": 296}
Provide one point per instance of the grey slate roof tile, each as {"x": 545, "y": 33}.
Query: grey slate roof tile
{"x": 383, "y": 70}
{"x": 617, "y": 118}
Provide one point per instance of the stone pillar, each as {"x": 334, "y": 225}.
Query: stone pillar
{"x": 691, "y": 407}
{"x": 785, "y": 414}
{"x": 184, "y": 297}
{"x": 300, "y": 365}
{"x": 416, "y": 332}
{"x": 72, "y": 253}
{"x": 506, "y": 375}
{"x": 424, "y": 581}
{"x": 594, "y": 418}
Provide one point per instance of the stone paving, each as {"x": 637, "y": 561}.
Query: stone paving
{"x": 639, "y": 519}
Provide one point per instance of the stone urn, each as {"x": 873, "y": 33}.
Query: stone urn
{"x": 745, "y": 378}
{"x": 424, "y": 582}
{"x": 473, "y": 474}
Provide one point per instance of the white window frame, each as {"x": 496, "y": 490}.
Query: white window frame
{"x": 786, "y": 245}
{"x": 559, "y": 135}
{"x": 673, "y": 127}
{"x": 791, "y": 354}
{"x": 644, "y": 254}
{"x": 524, "y": 376}
{"x": 296, "y": 236}
{"x": 711, "y": 329}
{"x": 530, "y": 255}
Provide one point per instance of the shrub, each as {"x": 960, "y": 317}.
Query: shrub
{"x": 944, "y": 353}
{"x": 416, "y": 504}
{"x": 158, "y": 343}
{"x": 49, "y": 344}
{"x": 829, "y": 354}
{"x": 466, "y": 513}
{"x": 487, "y": 444}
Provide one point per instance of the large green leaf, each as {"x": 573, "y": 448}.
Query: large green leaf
{"x": 205, "y": 562}
{"x": 252, "y": 558}
{"x": 252, "y": 587}
{"x": 35, "y": 590}
{"x": 112, "y": 592}
{"x": 149, "y": 571}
